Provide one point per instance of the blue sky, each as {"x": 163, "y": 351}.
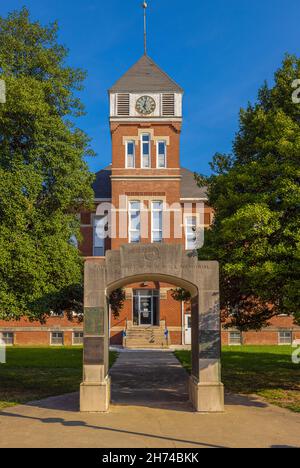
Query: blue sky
{"x": 219, "y": 51}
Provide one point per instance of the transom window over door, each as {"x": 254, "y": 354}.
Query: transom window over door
{"x": 130, "y": 154}
{"x": 157, "y": 221}
{"x": 134, "y": 221}
{"x": 161, "y": 149}
{"x": 145, "y": 150}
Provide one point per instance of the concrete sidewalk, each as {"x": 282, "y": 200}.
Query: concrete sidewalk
{"x": 149, "y": 409}
{"x": 150, "y": 378}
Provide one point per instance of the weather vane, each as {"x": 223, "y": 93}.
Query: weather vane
{"x": 145, "y": 5}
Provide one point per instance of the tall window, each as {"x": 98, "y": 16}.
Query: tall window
{"x": 99, "y": 236}
{"x": 130, "y": 154}
{"x": 191, "y": 232}
{"x": 157, "y": 221}
{"x": 161, "y": 154}
{"x": 134, "y": 221}
{"x": 146, "y": 157}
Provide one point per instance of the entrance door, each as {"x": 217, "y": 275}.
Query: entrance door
{"x": 145, "y": 307}
{"x": 145, "y": 310}
{"x": 188, "y": 329}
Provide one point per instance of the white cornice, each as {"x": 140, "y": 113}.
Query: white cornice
{"x": 149, "y": 119}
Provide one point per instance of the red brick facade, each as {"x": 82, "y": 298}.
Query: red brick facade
{"x": 35, "y": 334}
{"x": 27, "y": 333}
{"x": 169, "y": 185}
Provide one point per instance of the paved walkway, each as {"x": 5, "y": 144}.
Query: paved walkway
{"x": 150, "y": 378}
{"x": 149, "y": 409}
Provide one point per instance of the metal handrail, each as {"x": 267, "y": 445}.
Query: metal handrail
{"x": 166, "y": 330}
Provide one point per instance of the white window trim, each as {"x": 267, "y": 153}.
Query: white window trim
{"x": 152, "y": 222}
{"x": 285, "y": 344}
{"x": 13, "y": 336}
{"x": 129, "y": 220}
{"x": 73, "y": 333}
{"x": 63, "y": 337}
{"x": 235, "y": 344}
{"x": 186, "y": 216}
{"x": 157, "y": 154}
{"x": 142, "y": 154}
{"x": 126, "y": 154}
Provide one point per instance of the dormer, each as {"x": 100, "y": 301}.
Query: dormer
{"x": 145, "y": 92}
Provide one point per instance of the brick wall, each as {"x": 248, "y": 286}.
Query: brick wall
{"x": 121, "y": 131}
{"x": 36, "y": 334}
{"x": 268, "y": 335}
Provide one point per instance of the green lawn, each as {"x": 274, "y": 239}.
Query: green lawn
{"x": 34, "y": 373}
{"x": 267, "y": 371}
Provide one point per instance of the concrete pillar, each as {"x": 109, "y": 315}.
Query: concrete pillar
{"x": 205, "y": 388}
{"x": 95, "y": 388}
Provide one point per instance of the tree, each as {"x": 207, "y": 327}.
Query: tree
{"x": 116, "y": 301}
{"x": 256, "y": 196}
{"x": 44, "y": 179}
{"x": 181, "y": 295}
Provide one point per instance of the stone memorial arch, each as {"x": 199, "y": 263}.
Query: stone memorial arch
{"x": 167, "y": 263}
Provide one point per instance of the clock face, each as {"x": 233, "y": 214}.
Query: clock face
{"x": 145, "y": 105}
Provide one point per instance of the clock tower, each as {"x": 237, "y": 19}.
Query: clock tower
{"x": 145, "y": 124}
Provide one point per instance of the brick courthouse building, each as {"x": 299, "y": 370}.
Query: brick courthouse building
{"x": 132, "y": 196}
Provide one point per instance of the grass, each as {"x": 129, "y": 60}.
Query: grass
{"x": 266, "y": 371}
{"x": 34, "y": 373}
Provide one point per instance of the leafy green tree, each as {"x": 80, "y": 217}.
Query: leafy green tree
{"x": 116, "y": 301}
{"x": 256, "y": 196}
{"x": 44, "y": 179}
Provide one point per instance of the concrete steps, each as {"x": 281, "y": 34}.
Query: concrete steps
{"x": 145, "y": 337}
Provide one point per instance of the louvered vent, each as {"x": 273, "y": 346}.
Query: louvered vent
{"x": 168, "y": 104}
{"x": 123, "y": 105}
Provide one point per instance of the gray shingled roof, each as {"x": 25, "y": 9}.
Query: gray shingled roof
{"x": 189, "y": 188}
{"x": 102, "y": 183}
{"x": 145, "y": 76}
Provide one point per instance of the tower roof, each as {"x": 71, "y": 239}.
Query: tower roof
{"x": 145, "y": 76}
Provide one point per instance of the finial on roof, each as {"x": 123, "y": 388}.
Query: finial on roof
{"x": 145, "y": 5}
